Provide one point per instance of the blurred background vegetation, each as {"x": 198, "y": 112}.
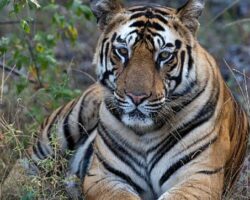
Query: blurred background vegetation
{"x": 46, "y": 50}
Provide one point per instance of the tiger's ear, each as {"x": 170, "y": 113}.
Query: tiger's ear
{"x": 189, "y": 14}
{"x": 105, "y": 10}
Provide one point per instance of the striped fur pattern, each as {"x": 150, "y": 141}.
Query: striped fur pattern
{"x": 68, "y": 128}
{"x": 161, "y": 123}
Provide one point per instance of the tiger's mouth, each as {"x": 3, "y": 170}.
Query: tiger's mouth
{"x": 140, "y": 117}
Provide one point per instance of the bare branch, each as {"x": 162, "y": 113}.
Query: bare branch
{"x": 18, "y": 22}
{"x": 14, "y": 72}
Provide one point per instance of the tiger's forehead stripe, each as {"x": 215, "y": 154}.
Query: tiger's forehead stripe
{"x": 158, "y": 9}
{"x": 149, "y": 15}
{"x": 148, "y": 24}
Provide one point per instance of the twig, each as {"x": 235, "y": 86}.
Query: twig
{"x": 241, "y": 73}
{"x": 12, "y": 71}
{"x": 247, "y": 94}
{"x": 238, "y": 83}
{"x": 237, "y": 22}
{"x": 222, "y": 12}
{"x": 2, "y": 84}
{"x": 34, "y": 61}
{"x": 18, "y": 22}
{"x": 86, "y": 74}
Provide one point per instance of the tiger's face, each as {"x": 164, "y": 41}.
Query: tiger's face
{"x": 144, "y": 58}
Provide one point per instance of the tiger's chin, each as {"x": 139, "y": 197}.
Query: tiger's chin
{"x": 138, "y": 123}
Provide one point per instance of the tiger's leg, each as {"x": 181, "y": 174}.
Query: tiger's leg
{"x": 100, "y": 184}
{"x": 205, "y": 185}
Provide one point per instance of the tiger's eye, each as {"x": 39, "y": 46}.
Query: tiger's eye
{"x": 164, "y": 55}
{"x": 123, "y": 51}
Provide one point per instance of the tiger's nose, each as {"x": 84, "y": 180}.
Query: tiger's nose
{"x": 137, "y": 98}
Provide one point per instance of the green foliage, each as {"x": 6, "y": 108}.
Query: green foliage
{"x": 39, "y": 27}
{"x": 3, "y": 3}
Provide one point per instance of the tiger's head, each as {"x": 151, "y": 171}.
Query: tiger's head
{"x": 144, "y": 57}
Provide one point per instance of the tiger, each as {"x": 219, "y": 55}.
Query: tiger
{"x": 160, "y": 122}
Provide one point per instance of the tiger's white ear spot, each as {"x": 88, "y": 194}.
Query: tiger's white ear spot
{"x": 105, "y": 10}
{"x": 189, "y": 14}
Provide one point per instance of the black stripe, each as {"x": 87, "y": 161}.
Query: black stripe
{"x": 156, "y": 26}
{"x": 178, "y": 44}
{"x": 187, "y": 102}
{"x": 149, "y": 15}
{"x": 106, "y": 55}
{"x": 190, "y": 58}
{"x": 84, "y": 164}
{"x": 67, "y": 133}
{"x": 162, "y": 19}
{"x": 40, "y": 149}
{"x": 118, "y": 150}
{"x": 169, "y": 45}
{"x": 157, "y": 34}
{"x": 161, "y": 12}
{"x": 106, "y": 75}
{"x": 113, "y": 37}
{"x": 210, "y": 172}
{"x": 132, "y": 32}
{"x": 144, "y": 8}
{"x": 102, "y": 49}
{"x": 178, "y": 79}
{"x": 138, "y": 9}
{"x": 82, "y": 131}
{"x": 137, "y": 15}
{"x": 183, "y": 161}
{"x": 173, "y": 138}
{"x": 36, "y": 152}
{"x": 191, "y": 92}
{"x": 195, "y": 142}
{"x": 119, "y": 39}
{"x": 138, "y": 24}
{"x": 120, "y": 174}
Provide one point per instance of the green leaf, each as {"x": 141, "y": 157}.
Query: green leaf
{"x": 30, "y": 195}
{"x": 3, "y": 3}
{"x": 86, "y": 11}
{"x": 50, "y": 7}
{"x": 4, "y": 44}
{"x": 21, "y": 85}
{"x": 59, "y": 19}
{"x": 25, "y": 26}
